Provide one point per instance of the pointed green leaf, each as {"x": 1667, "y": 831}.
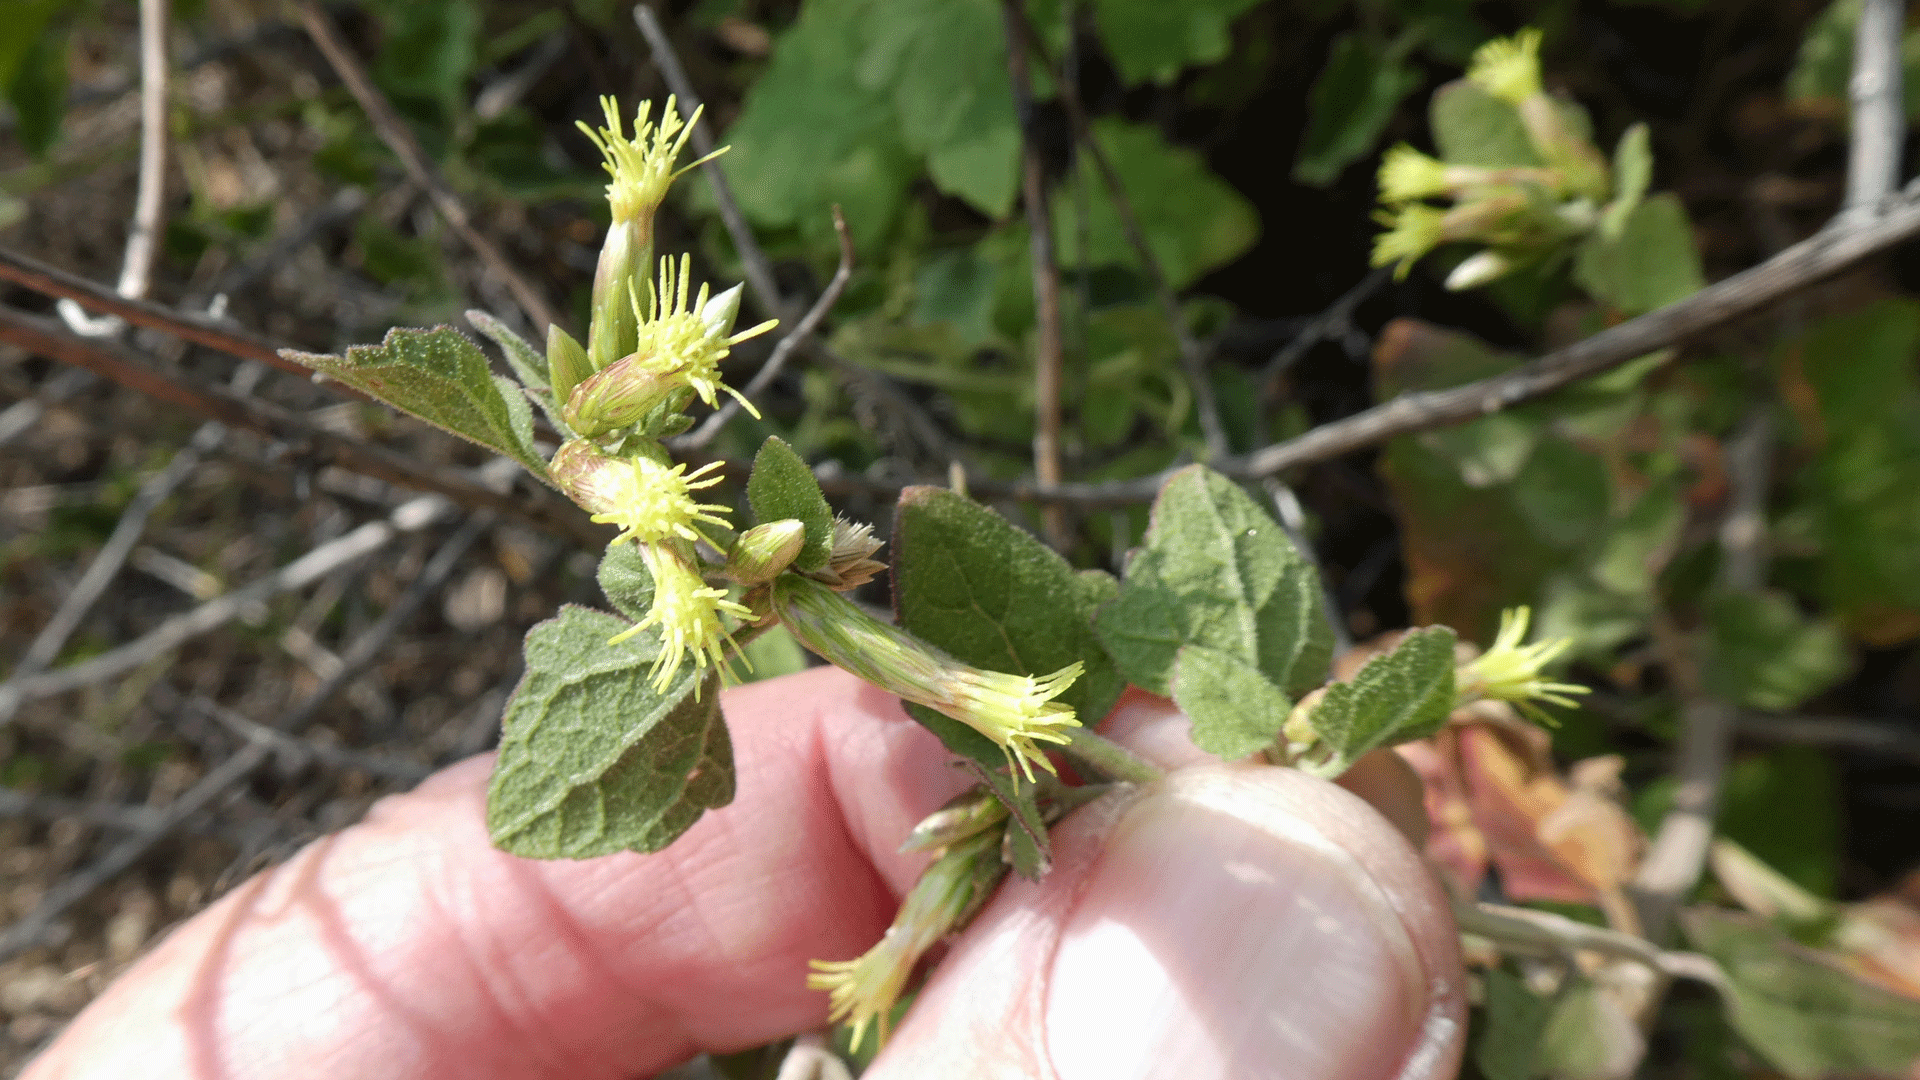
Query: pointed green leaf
{"x": 782, "y": 486}
{"x": 1405, "y": 694}
{"x": 1632, "y": 172}
{"x": 1216, "y": 571}
{"x": 1235, "y": 710}
{"x": 1154, "y": 39}
{"x": 1027, "y": 843}
{"x": 525, "y": 360}
{"x": 1472, "y": 127}
{"x": 442, "y": 378}
{"x": 968, "y": 581}
{"x": 1796, "y": 1006}
{"x": 1651, "y": 264}
{"x": 1352, "y": 101}
{"x": 592, "y": 759}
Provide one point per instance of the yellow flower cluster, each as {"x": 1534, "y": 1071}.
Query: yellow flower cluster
{"x": 642, "y": 167}
{"x": 688, "y": 341}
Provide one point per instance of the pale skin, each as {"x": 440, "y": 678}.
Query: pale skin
{"x": 1231, "y": 921}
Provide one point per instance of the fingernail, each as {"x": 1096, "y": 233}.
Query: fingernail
{"x": 1221, "y": 937}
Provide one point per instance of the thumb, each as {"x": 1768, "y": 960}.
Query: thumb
{"x": 1229, "y": 921}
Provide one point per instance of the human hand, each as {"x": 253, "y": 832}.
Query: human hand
{"x": 1230, "y": 921}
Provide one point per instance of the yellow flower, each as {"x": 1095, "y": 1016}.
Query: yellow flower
{"x": 1415, "y": 230}
{"x": 1016, "y": 711}
{"x": 1509, "y": 671}
{"x": 689, "y": 341}
{"x": 649, "y": 501}
{"x": 864, "y": 991}
{"x": 642, "y": 167}
{"x": 1509, "y": 68}
{"x": 1407, "y": 174}
{"x": 687, "y": 611}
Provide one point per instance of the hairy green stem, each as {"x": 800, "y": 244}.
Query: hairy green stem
{"x": 1109, "y": 758}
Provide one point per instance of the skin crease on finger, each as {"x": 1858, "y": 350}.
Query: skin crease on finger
{"x": 408, "y": 947}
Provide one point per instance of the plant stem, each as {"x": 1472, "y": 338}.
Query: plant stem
{"x": 1110, "y": 758}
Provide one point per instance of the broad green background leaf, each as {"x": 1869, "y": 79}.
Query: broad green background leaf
{"x": 781, "y": 487}
{"x": 1235, "y": 710}
{"x": 1825, "y": 63}
{"x": 1651, "y": 265}
{"x": 970, "y": 582}
{"x": 934, "y": 58}
{"x": 1193, "y": 220}
{"x": 1782, "y": 805}
{"x": 771, "y": 655}
{"x": 1808, "y": 1017}
{"x": 1516, "y": 1018}
{"x": 1472, "y": 127}
{"x": 1763, "y": 653}
{"x": 592, "y": 759}
{"x": 1354, "y": 97}
{"x": 1214, "y": 570}
{"x": 1402, "y": 695}
{"x": 1588, "y": 1036}
{"x": 1863, "y": 483}
{"x": 1154, "y": 39}
{"x": 443, "y": 378}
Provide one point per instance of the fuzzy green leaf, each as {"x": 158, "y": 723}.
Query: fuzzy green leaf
{"x": 1763, "y": 653}
{"x": 782, "y": 486}
{"x": 1027, "y": 843}
{"x": 1235, "y": 710}
{"x": 968, "y": 581}
{"x": 1472, "y": 127}
{"x": 626, "y": 581}
{"x": 1154, "y": 39}
{"x": 1216, "y": 571}
{"x": 1402, "y": 695}
{"x": 592, "y": 759}
{"x": 1651, "y": 264}
{"x": 1808, "y": 1016}
{"x": 443, "y": 378}
{"x": 526, "y": 361}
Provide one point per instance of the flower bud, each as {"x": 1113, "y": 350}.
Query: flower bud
{"x": 1479, "y": 269}
{"x": 1509, "y": 68}
{"x": 967, "y": 814}
{"x": 717, "y": 314}
{"x": 648, "y": 500}
{"x": 567, "y": 362}
{"x": 763, "y": 551}
{"x": 619, "y": 283}
{"x": 619, "y": 396}
{"x": 851, "y": 565}
{"x": 1017, "y": 712}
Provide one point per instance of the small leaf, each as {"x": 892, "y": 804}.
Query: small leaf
{"x": 1351, "y": 103}
{"x": 1632, "y": 172}
{"x": 1027, "y": 842}
{"x": 1216, "y": 571}
{"x": 782, "y": 486}
{"x": 592, "y": 759}
{"x": 1235, "y": 710}
{"x": 1516, "y": 1018}
{"x": 525, "y": 360}
{"x": 1472, "y": 127}
{"x": 1402, "y": 695}
{"x": 1653, "y": 263}
{"x": 1809, "y": 1017}
{"x": 1154, "y": 39}
{"x": 970, "y": 582}
{"x": 443, "y": 378}
{"x": 626, "y": 581}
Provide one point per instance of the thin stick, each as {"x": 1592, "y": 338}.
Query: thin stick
{"x": 1193, "y": 354}
{"x": 784, "y": 350}
{"x": 1524, "y": 930}
{"x": 399, "y": 138}
{"x": 143, "y": 234}
{"x": 541, "y": 509}
{"x": 1047, "y": 358}
{"x": 365, "y": 651}
{"x": 1337, "y": 317}
{"x": 1879, "y": 118}
{"x": 759, "y": 269}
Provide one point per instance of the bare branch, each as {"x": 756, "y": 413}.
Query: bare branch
{"x": 1047, "y": 357}
{"x": 542, "y": 509}
{"x": 1879, "y": 114}
{"x": 1336, "y": 319}
{"x": 1545, "y": 933}
{"x": 784, "y": 350}
{"x": 143, "y": 234}
{"x": 399, "y": 138}
{"x": 759, "y": 269}
{"x": 1193, "y": 353}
